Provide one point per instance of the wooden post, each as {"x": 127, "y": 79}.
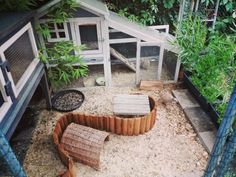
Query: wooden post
{"x": 143, "y": 125}
{"x": 178, "y": 64}
{"x": 124, "y": 126}
{"x": 160, "y": 62}
{"x": 46, "y": 91}
{"x": 106, "y": 51}
{"x": 138, "y": 53}
{"x": 118, "y": 126}
{"x": 112, "y": 124}
{"x": 137, "y": 126}
{"x": 130, "y": 126}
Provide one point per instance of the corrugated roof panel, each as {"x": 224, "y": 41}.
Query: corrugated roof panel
{"x": 95, "y": 5}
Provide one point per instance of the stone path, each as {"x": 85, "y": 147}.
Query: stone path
{"x": 198, "y": 118}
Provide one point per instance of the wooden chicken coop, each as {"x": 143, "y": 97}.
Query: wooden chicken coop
{"x": 99, "y": 29}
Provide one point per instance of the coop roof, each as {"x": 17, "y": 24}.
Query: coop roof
{"x": 96, "y": 6}
{"x": 11, "y": 22}
{"x": 140, "y": 31}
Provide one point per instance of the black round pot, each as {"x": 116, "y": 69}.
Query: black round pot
{"x": 67, "y": 100}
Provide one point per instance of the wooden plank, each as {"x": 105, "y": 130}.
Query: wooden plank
{"x": 150, "y": 85}
{"x": 124, "y": 40}
{"x": 122, "y": 58}
{"x": 127, "y": 96}
{"x": 132, "y": 107}
{"x": 124, "y": 104}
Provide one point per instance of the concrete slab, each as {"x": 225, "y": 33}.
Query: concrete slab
{"x": 208, "y": 138}
{"x": 185, "y": 99}
{"x": 199, "y": 119}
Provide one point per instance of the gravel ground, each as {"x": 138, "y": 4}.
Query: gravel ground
{"x": 170, "y": 149}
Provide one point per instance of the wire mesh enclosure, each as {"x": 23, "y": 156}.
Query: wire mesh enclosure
{"x": 19, "y": 55}
{"x": 222, "y": 162}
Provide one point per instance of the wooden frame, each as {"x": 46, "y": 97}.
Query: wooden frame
{"x": 161, "y": 56}
{"x": 87, "y": 21}
{"x": 7, "y": 100}
{"x": 160, "y": 27}
{"x": 57, "y": 31}
{"x": 17, "y": 87}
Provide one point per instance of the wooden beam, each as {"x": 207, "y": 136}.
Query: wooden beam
{"x": 124, "y": 40}
{"x": 159, "y": 71}
{"x": 122, "y": 58}
{"x": 138, "y": 53}
{"x": 178, "y": 64}
{"x": 159, "y": 27}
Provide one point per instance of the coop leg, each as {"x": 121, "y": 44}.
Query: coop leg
{"x": 9, "y": 157}
{"x": 46, "y": 91}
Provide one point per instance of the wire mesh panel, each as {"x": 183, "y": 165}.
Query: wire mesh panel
{"x": 19, "y": 55}
{"x": 222, "y": 160}
{"x": 10, "y": 163}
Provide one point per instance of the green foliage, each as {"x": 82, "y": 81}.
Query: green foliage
{"x": 58, "y": 14}
{"x": 191, "y": 38}
{"x": 227, "y": 17}
{"x": 211, "y": 61}
{"x": 60, "y": 60}
{"x": 147, "y": 12}
{"x": 16, "y": 5}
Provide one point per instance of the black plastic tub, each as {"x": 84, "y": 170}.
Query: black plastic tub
{"x": 196, "y": 94}
{"x": 214, "y": 116}
{"x": 67, "y": 100}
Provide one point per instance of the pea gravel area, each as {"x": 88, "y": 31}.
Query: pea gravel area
{"x": 170, "y": 149}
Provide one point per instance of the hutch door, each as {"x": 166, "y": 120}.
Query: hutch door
{"x": 88, "y": 32}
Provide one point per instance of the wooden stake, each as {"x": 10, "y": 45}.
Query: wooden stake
{"x": 130, "y": 126}
{"x": 118, "y": 126}
{"x": 124, "y": 126}
{"x": 112, "y": 124}
{"x": 137, "y": 126}
{"x": 143, "y": 125}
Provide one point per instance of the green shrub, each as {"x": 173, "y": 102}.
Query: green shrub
{"x": 211, "y": 61}
{"x": 60, "y": 60}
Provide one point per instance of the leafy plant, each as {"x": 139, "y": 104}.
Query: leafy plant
{"x": 57, "y": 14}
{"x": 147, "y": 12}
{"x": 210, "y": 60}
{"x": 191, "y": 39}
{"x": 63, "y": 65}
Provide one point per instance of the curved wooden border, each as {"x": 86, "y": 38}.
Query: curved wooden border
{"x": 120, "y": 125}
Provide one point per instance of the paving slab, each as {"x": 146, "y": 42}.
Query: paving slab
{"x": 208, "y": 138}
{"x": 199, "y": 119}
{"x": 185, "y": 99}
